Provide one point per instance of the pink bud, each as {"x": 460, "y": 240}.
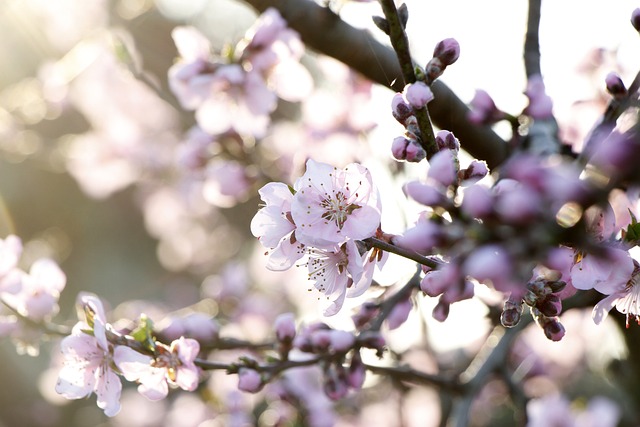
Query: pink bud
{"x": 489, "y": 263}
{"x": 421, "y": 238}
{"x": 399, "y": 314}
{"x": 341, "y": 341}
{"x": 399, "y": 147}
{"x": 365, "y": 314}
{"x": 400, "y": 109}
{"x": 483, "y": 109}
{"x": 418, "y": 94}
{"x": 615, "y": 86}
{"x": 414, "y": 152}
{"x": 447, "y": 140}
{"x": 441, "y": 311}
{"x": 357, "y": 372}
{"x": 635, "y": 19}
{"x": 249, "y": 380}
{"x": 436, "y": 282}
{"x": 335, "y": 382}
{"x": 540, "y": 104}
{"x": 443, "y": 168}
{"x": 448, "y": 51}
{"x": 477, "y": 202}
{"x": 285, "y": 326}
{"x": 553, "y": 329}
{"x": 425, "y": 194}
{"x": 476, "y": 170}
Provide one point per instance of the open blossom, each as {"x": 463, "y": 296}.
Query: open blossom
{"x": 274, "y": 227}
{"x": 333, "y": 271}
{"x": 332, "y": 205}
{"x": 88, "y": 361}
{"x": 171, "y": 365}
{"x": 624, "y": 296}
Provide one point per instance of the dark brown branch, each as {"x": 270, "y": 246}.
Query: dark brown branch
{"x": 324, "y": 31}
{"x": 531, "y": 41}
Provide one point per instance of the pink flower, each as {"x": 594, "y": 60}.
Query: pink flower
{"x": 625, "y": 297}
{"x": 540, "y": 104}
{"x": 171, "y": 365}
{"x": 483, "y": 109}
{"x": 274, "y": 227}
{"x": 40, "y": 291}
{"x": 332, "y": 205}
{"x": 606, "y": 274}
{"x": 88, "y": 361}
{"x": 332, "y": 272}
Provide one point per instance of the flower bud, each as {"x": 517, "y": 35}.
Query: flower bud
{"x": 615, "y": 85}
{"x": 553, "y": 329}
{"x": 483, "y": 109}
{"x": 477, "y": 202}
{"x": 249, "y": 380}
{"x": 341, "y": 341}
{"x": 447, "y": 140}
{"x": 285, "y": 326}
{"x": 418, "y": 94}
{"x": 550, "y": 306}
{"x": 635, "y": 19}
{"x": 443, "y": 168}
{"x": 511, "y": 313}
{"x": 399, "y": 314}
{"x": 424, "y": 194}
{"x": 335, "y": 382}
{"x": 448, "y": 51}
{"x": 400, "y": 109}
{"x": 381, "y": 23}
{"x": 476, "y": 170}
{"x": 367, "y": 312}
{"x": 357, "y": 372}
{"x": 441, "y": 311}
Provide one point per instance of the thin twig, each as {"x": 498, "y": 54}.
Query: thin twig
{"x": 373, "y": 242}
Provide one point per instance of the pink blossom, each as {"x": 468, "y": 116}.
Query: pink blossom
{"x": 625, "y": 297}
{"x": 88, "y": 360}
{"x": 332, "y": 205}
{"x": 332, "y": 272}
{"x": 171, "y": 365}
{"x": 226, "y": 183}
{"x": 607, "y": 274}
{"x": 38, "y": 297}
{"x": 274, "y": 227}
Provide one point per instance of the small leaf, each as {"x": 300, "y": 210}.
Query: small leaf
{"x": 382, "y": 24}
{"x": 144, "y": 332}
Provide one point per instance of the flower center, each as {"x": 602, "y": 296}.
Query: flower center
{"x": 337, "y": 209}
{"x": 168, "y": 360}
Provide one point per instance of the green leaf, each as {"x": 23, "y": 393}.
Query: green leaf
{"x": 144, "y": 332}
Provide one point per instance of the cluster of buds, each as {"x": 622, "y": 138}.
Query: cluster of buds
{"x": 410, "y": 147}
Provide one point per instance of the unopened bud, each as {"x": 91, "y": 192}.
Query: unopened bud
{"x": 441, "y": 311}
{"x": 406, "y": 149}
{"x": 285, "y": 326}
{"x": 357, "y": 372}
{"x": 418, "y": 94}
{"x": 447, "y": 140}
{"x": 553, "y": 329}
{"x": 635, "y": 19}
{"x": 556, "y": 286}
{"x": 550, "y": 306}
{"x": 448, "y": 51}
{"x": 400, "y": 110}
{"x": 615, "y": 85}
{"x": 476, "y": 170}
{"x": 399, "y": 314}
{"x": 249, "y": 380}
{"x": 511, "y": 313}
{"x": 335, "y": 382}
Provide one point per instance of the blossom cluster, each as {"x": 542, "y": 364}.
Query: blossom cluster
{"x": 322, "y": 217}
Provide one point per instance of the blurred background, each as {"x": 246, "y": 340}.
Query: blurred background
{"x": 88, "y": 137}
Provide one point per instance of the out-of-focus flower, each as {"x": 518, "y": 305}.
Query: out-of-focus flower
{"x": 171, "y": 365}
{"x": 417, "y": 94}
{"x": 249, "y": 380}
{"x": 540, "y": 104}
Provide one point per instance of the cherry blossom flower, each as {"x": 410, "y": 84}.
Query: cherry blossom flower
{"x": 625, "y": 297}
{"x": 332, "y": 205}
{"x": 274, "y": 227}
{"x": 333, "y": 271}
{"x": 171, "y": 365}
{"x": 88, "y": 360}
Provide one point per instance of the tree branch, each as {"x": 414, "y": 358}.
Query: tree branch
{"x": 324, "y": 31}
